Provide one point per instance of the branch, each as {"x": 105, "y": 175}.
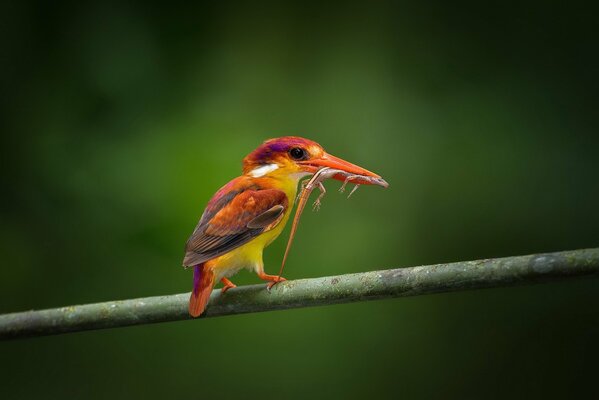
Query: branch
{"x": 373, "y": 285}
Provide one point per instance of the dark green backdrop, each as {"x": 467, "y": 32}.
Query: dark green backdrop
{"x": 119, "y": 121}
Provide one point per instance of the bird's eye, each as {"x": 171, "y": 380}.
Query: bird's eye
{"x": 297, "y": 153}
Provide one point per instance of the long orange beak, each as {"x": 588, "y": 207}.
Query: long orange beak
{"x": 328, "y": 160}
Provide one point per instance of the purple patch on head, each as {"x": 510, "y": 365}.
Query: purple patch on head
{"x": 262, "y": 154}
{"x": 269, "y": 149}
{"x": 280, "y": 146}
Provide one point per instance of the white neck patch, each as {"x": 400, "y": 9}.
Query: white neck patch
{"x": 263, "y": 170}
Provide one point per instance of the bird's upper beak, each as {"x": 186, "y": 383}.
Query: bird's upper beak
{"x": 328, "y": 160}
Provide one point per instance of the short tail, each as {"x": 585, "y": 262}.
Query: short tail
{"x": 203, "y": 282}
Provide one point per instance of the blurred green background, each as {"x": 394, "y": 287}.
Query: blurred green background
{"x": 120, "y": 120}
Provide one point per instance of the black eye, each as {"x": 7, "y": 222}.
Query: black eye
{"x": 297, "y": 153}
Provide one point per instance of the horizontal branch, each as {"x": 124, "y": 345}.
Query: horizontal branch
{"x": 373, "y": 285}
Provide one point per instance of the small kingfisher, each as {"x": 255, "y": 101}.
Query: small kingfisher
{"x": 249, "y": 212}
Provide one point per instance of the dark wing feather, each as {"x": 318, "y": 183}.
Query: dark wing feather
{"x": 266, "y": 218}
{"x": 229, "y": 224}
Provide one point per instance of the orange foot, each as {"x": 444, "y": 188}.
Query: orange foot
{"x": 274, "y": 279}
{"x": 228, "y": 285}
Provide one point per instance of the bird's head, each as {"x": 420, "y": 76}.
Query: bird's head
{"x": 295, "y": 157}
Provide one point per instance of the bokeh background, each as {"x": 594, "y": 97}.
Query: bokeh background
{"x": 121, "y": 119}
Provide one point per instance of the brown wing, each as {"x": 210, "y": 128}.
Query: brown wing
{"x": 237, "y": 221}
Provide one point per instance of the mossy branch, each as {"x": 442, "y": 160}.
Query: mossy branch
{"x": 373, "y": 285}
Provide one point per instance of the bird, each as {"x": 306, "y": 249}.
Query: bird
{"x": 249, "y": 213}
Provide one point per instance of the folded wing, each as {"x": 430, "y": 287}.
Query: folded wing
{"x": 231, "y": 223}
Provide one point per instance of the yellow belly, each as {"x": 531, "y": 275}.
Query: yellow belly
{"x": 249, "y": 255}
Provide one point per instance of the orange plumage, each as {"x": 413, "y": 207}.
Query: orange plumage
{"x": 250, "y": 211}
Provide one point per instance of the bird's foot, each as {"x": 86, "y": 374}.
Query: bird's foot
{"x": 274, "y": 279}
{"x": 228, "y": 285}
{"x": 271, "y": 284}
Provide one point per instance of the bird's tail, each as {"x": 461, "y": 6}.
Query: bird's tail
{"x": 203, "y": 282}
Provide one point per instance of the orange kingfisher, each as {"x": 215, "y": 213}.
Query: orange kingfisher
{"x": 250, "y": 211}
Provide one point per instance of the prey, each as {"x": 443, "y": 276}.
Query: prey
{"x": 316, "y": 182}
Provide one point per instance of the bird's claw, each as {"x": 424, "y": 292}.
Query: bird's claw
{"x": 227, "y": 285}
{"x": 271, "y": 284}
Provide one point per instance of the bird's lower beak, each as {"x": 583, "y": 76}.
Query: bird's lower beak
{"x": 331, "y": 161}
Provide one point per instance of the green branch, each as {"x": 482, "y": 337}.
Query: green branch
{"x": 374, "y": 285}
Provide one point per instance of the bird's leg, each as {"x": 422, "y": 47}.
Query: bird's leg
{"x": 349, "y": 178}
{"x": 323, "y": 191}
{"x": 228, "y": 285}
{"x": 273, "y": 279}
